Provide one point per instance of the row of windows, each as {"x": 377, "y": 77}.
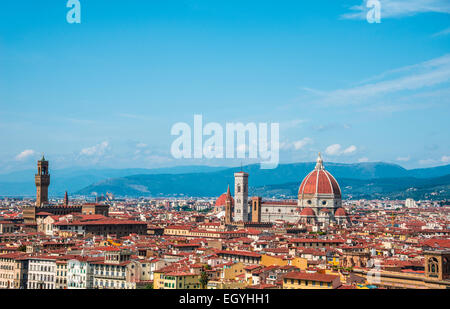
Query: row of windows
{"x": 38, "y": 285}
{"x": 41, "y": 277}
{"x": 61, "y": 281}
{"x": 42, "y": 268}
{"x": 6, "y": 284}
{"x": 109, "y": 267}
{"x": 109, "y": 284}
{"x": 306, "y": 282}
{"x": 279, "y": 210}
{"x": 107, "y": 273}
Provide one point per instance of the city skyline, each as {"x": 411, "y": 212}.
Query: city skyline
{"x": 224, "y": 152}
{"x": 353, "y": 90}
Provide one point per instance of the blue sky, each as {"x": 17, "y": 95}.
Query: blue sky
{"x": 106, "y": 92}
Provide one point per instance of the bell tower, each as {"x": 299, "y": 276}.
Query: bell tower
{"x": 241, "y": 197}
{"x": 42, "y": 180}
{"x": 228, "y": 208}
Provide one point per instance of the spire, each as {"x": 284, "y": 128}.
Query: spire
{"x": 228, "y": 192}
{"x": 43, "y": 157}
{"x": 66, "y": 199}
{"x": 319, "y": 165}
{"x": 228, "y": 207}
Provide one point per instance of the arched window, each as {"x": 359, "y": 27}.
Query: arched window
{"x": 433, "y": 267}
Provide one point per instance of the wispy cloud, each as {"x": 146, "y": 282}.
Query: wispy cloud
{"x": 330, "y": 126}
{"x": 97, "y": 150}
{"x": 290, "y": 124}
{"x": 141, "y": 145}
{"x": 406, "y": 84}
{"x": 404, "y": 159}
{"x": 400, "y": 8}
{"x": 302, "y": 143}
{"x": 337, "y": 150}
{"x": 296, "y": 145}
{"x": 442, "y": 33}
{"x": 427, "y": 161}
{"x": 25, "y": 154}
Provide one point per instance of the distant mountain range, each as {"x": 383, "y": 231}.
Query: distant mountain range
{"x": 361, "y": 180}
{"x": 21, "y": 183}
{"x": 437, "y": 188}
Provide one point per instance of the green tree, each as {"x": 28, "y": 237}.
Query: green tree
{"x": 204, "y": 279}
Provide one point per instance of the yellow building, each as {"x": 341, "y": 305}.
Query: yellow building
{"x": 61, "y": 274}
{"x": 176, "y": 280}
{"x": 303, "y": 280}
{"x": 228, "y": 285}
{"x": 231, "y": 270}
{"x": 268, "y": 260}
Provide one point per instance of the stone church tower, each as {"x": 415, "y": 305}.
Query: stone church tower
{"x": 228, "y": 207}
{"x": 241, "y": 197}
{"x": 42, "y": 180}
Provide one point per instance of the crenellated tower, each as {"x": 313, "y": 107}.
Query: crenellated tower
{"x": 42, "y": 180}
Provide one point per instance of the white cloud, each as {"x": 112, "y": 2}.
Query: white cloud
{"x": 400, "y": 8}
{"x": 350, "y": 149}
{"x": 141, "y": 145}
{"x": 25, "y": 154}
{"x": 302, "y": 143}
{"x": 407, "y": 82}
{"x": 361, "y": 160}
{"x": 442, "y": 33}
{"x": 427, "y": 161}
{"x": 97, "y": 150}
{"x": 292, "y": 123}
{"x": 404, "y": 159}
{"x": 333, "y": 150}
{"x": 445, "y": 159}
{"x": 336, "y": 150}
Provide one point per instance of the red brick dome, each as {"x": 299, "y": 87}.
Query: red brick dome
{"x": 340, "y": 212}
{"x": 221, "y": 200}
{"x": 319, "y": 181}
{"x": 307, "y": 212}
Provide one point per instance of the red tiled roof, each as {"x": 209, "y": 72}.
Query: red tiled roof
{"x": 242, "y": 253}
{"x": 310, "y": 276}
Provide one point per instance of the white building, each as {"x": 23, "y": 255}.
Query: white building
{"x": 42, "y": 272}
{"x": 79, "y": 274}
{"x": 410, "y": 203}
